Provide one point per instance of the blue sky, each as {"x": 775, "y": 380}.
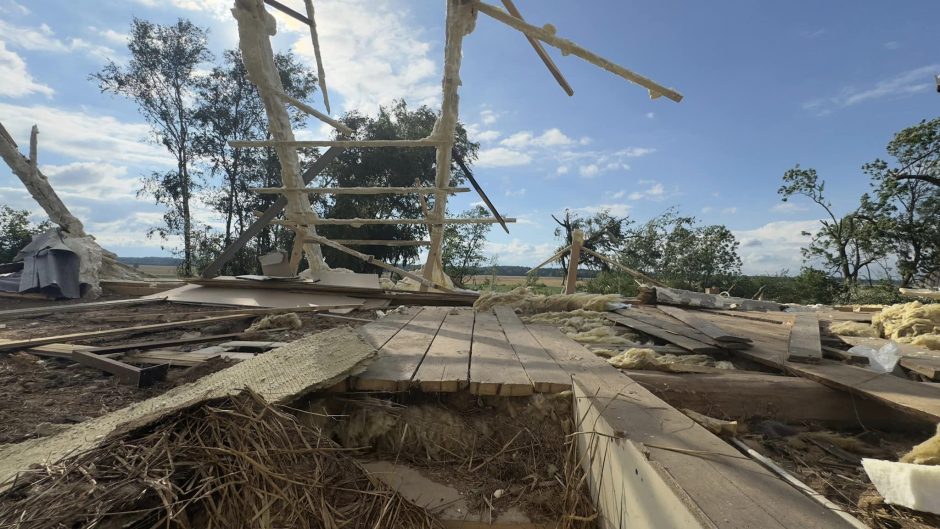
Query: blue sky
{"x": 766, "y": 84}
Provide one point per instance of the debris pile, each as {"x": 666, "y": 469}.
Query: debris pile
{"x": 527, "y": 302}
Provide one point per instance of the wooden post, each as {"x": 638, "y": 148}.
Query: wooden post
{"x": 577, "y": 239}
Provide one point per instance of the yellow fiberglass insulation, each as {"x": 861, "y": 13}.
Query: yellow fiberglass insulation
{"x": 530, "y": 303}
{"x": 854, "y": 328}
{"x": 926, "y": 453}
{"x": 907, "y": 322}
{"x": 643, "y": 358}
{"x": 585, "y": 326}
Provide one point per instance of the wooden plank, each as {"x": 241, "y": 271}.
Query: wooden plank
{"x": 541, "y": 368}
{"x": 11, "y": 345}
{"x": 494, "y": 367}
{"x": 269, "y": 214}
{"x": 649, "y": 465}
{"x": 401, "y": 355}
{"x": 540, "y": 51}
{"x": 838, "y": 354}
{"x": 124, "y": 373}
{"x": 922, "y": 365}
{"x": 446, "y": 366}
{"x": 682, "y": 341}
{"x": 770, "y": 348}
{"x": 704, "y": 326}
{"x": 687, "y": 298}
{"x": 75, "y": 307}
{"x": 804, "y": 344}
{"x": 741, "y": 396}
{"x": 380, "y": 331}
{"x": 156, "y": 344}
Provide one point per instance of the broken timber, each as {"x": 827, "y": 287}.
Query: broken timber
{"x": 124, "y": 373}
{"x": 706, "y": 327}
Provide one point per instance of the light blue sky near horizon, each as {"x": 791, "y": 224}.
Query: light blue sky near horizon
{"x": 766, "y": 85}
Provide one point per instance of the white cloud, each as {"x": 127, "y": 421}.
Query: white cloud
{"x": 486, "y": 136}
{"x": 729, "y": 211}
{"x": 617, "y": 210}
{"x": 517, "y": 252}
{"x": 489, "y": 116}
{"x": 901, "y": 85}
{"x": 636, "y": 152}
{"x": 550, "y": 138}
{"x": 892, "y": 45}
{"x": 618, "y": 195}
{"x": 589, "y": 171}
{"x": 16, "y": 80}
{"x": 10, "y": 6}
{"x": 775, "y": 246}
{"x": 84, "y": 135}
{"x": 515, "y": 193}
{"x": 650, "y": 115}
{"x": 108, "y": 34}
{"x": 92, "y": 180}
{"x": 43, "y": 38}
{"x": 655, "y": 191}
{"x": 220, "y": 9}
{"x": 788, "y": 207}
{"x": 502, "y": 157}
{"x": 562, "y": 169}
{"x": 707, "y": 209}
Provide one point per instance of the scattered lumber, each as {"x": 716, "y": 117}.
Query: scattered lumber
{"x": 74, "y": 307}
{"x": 804, "y": 344}
{"x": 838, "y": 354}
{"x": 156, "y": 344}
{"x": 687, "y": 298}
{"x": 744, "y": 395}
{"x": 704, "y": 326}
{"x": 12, "y": 345}
{"x": 124, "y": 373}
{"x": 672, "y": 334}
{"x": 926, "y": 366}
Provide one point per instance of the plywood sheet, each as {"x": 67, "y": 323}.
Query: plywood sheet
{"x": 241, "y": 297}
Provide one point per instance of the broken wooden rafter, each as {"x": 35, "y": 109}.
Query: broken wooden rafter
{"x": 356, "y": 190}
{"x": 547, "y": 35}
{"x": 376, "y": 242}
{"x": 300, "y": 105}
{"x": 479, "y": 190}
{"x": 537, "y": 46}
{"x": 315, "y": 40}
{"x": 635, "y": 273}
{"x": 124, "y": 373}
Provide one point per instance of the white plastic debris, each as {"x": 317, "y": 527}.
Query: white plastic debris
{"x": 913, "y": 486}
{"x": 881, "y": 360}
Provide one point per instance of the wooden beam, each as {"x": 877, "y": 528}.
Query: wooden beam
{"x": 635, "y": 273}
{"x": 12, "y": 345}
{"x": 358, "y": 190}
{"x": 670, "y": 335}
{"x": 551, "y": 259}
{"x": 804, "y": 343}
{"x": 157, "y": 344}
{"x": 473, "y": 181}
{"x": 124, "y": 373}
{"x": 574, "y": 259}
{"x": 345, "y": 144}
{"x": 547, "y": 36}
{"x": 75, "y": 307}
{"x": 702, "y": 325}
{"x": 537, "y": 46}
{"x": 368, "y": 242}
{"x": 287, "y": 11}
{"x": 315, "y": 40}
{"x": 377, "y": 262}
{"x": 338, "y": 125}
{"x": 269, "y": 214}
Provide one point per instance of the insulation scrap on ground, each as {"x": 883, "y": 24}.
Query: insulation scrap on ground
{"x": 584, "y": 326}
{"x": 854, "y": 328}
{"x": 926, "y": 453}
{"x": 289, "y": 320}
{"x": 914, "y": 323}
{"x": 643, "y": 358}
{"x": 528, "y": 302}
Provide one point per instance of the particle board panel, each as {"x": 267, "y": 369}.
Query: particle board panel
{"x": 770, "y": 348}
{"x": 651, "y": 466}
{"x": 704, "y": 326}
{"x": 682, "y": 341}
{"x": 494, "y": 367}
{"x": 446, "y": 366}
{"x": 402, "y": 354}
{"x": 543, "y": 371}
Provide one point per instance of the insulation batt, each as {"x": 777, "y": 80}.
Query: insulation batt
{"x": 642, "y": 358}
{"x": 530, "y": 303}
{"x": 854, "y": 328}
{"x": 915, "y": 323}
{"x": 276, "y": 321}
{"x": 926, "y": 453}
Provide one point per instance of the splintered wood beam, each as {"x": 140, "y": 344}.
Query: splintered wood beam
{"x": 346, "y": 144}
{"x": 635, "y": 273}
{"x": 547, "y": 35}
{"x": 365, "y": 222}
{"x": 269, "y": 214}
{"x": 124, "y": 373}
{"x": 357, "y": 190}
{"x": 373, "y": 261}
{"x": 338, "y": 125}
{"x": 537, "y": 46}
{"x": 367, "y": 242}
{"x": 551, "y": 259}
{"x": 479, "y": 190}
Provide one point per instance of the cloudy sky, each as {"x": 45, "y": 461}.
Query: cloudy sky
{"x": 766, "y": 84}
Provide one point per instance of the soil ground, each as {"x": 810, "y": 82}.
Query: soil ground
{"x": 40, "y": 395}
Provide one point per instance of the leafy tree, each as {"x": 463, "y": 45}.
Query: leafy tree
{"x": 161, "y": 78}
{"x": 16, "y": 231}
{"x": 230, "y": 108}
{"x": 462, "y": 248}
{"x": 848, "y": 244}
{"x": 603, "y": 233}
{"x": 910, "y": 201}
{"x": 367, "y": 167}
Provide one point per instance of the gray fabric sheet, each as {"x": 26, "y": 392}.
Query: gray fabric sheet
{"x": 50, "y": 267}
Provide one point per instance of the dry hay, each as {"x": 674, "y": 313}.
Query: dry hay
{"x": 915, "y": 323}
{"x": 926, "y": 453}
{"x": 520, "y": 445}
{"x": 237, "y": 462}
{"x": 854, "y": 328}
{"x": 528, "y": 302}
{"x": 643, "y": 358}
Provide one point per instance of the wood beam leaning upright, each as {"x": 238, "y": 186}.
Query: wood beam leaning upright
{"x": 577, "y": 240}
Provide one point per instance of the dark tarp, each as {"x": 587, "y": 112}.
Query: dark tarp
{"x": 50, "y": 267}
